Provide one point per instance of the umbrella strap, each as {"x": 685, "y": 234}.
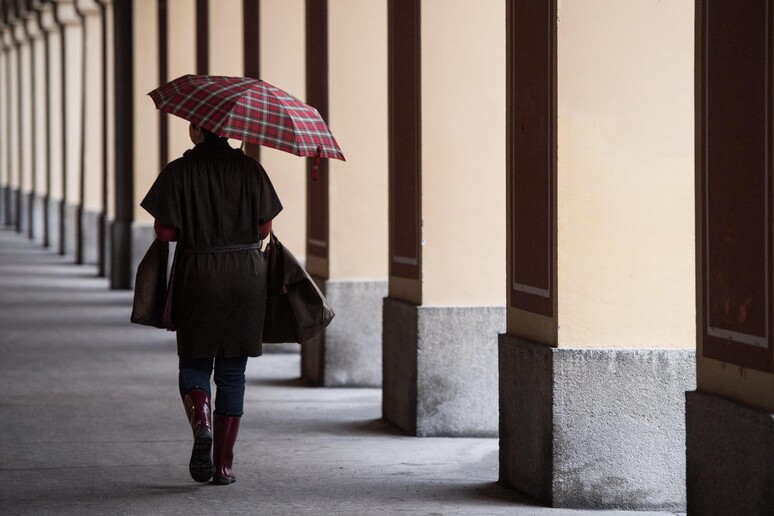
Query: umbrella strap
{"x": 316, "y": 166}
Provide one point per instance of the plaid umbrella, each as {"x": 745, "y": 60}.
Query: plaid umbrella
{"x": 250, "y": 110}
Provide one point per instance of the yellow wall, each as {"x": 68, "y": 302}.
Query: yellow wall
{"x": 146, "y": 119}
{"x": 181, "y": 24}
{"x": 282, "y": 57}
{"x": 226, "y": 42}
{"x": 25, "y": 108}
{"x": 624, "y": 187}
{"x": 39, "y": 91}
{"x": 358, "y": 119}
{"x": 463, "y": 152}
{"x": 73, "y": 102}
{"x": 93, "y": 180}
{"x": 55, "y": 113}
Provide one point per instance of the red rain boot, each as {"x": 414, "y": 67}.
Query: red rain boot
{"x": 197, "y": 407}
{"x": 226, "y": 430}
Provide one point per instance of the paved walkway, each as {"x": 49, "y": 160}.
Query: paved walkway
{"x": 91, "y": 422}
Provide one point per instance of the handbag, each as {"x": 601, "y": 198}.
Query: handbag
{"x": 296, "y": 310}
{"x": 150, "y": 287}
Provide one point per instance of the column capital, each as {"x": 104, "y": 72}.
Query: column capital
{"x": 46, "y": 18}
{"x": 87, "y": 7}
{"x": 19, "y": 31}
{"x": 65, "y": 12}
{"x": 32, "y": 26}
{"x": 7, "y": 37}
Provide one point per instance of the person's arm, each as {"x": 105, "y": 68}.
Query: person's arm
{"x": 265, "y": 229}
{"x": 164, "y": 233}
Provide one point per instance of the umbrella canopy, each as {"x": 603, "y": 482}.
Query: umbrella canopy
{"x": 250, "y": 110}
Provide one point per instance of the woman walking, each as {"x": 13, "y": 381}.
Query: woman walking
{"x": 218, "y": 204}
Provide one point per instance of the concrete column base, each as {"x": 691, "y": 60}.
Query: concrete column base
{"x": 54, "y": 224}
{"x": 38, "y": 218}
{"x": 730, "y": 454}
{"x": 5, "y": 194}
{"x": 594, "y": 428}
{"x": 71, "y": 229}
{"x": 90, "y": 232}
{"x": 12, "y": 210}
{"x": 142, "y": 237}
{"x": 349, "y": 352}
{"x": 24, "y": 214}
{"x": 440, "y": 369}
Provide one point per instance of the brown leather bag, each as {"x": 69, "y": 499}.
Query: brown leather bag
{"x": 296, "y": 310}
{"x": 150, "y": 287}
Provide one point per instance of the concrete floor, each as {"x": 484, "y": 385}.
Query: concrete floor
{"x": 91, "y": 422}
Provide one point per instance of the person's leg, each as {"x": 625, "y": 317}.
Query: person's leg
{"x": 229, "y": 406}
{"x": 194, "y": 384}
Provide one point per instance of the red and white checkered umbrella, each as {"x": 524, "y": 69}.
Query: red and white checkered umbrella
{"x": 250, "y": 110}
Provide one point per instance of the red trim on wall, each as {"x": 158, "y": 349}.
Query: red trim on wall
{"x": 202, "y": 36}
{"x": 735, "y": 183}
{"x": 405, "y": 137}
{"x": 317, "y": 96}
{"x": 531, "y": 154}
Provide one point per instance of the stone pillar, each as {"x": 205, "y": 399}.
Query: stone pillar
{"x": 39, "y": 133}
{"x": 281, "y": 61}
{"x": 598, "y": 349}
{"x": 108, "y": 137}
{"x": 730, "y": 416}
{"x": 446, "y": 179}
{"x": 12, "y": 120}
{"x": 347, "y": 218}
{"x": 55, "y": 129}
{"x": 146, "y": 137}
{"x": 92, "y": 147}
{"x": 181, "y": 59}
{"x": 5, "y": 170}
{"x": 72, "y": 52}
{"x": 24, "y": 128}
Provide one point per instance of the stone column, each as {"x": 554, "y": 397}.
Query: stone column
{"x": 347, "y": 218}
{"x": 181, "y": 59}
{"x": 730, "y": 416}
{"x": 281, "y": 61}
{"x": 92, "y": 146}
{"x": 125, "y": 57}
{"x": 25, "y": 99}
{"x": 55, "y": 129}
{"x": 13, "y": 161}
{"x": 598, "y": 350}
{"x": 5, "y": 169}
{"x": 146, "y": 138}
{"x": 38, "y": 200}
{"x": 72, "y": 51}
{"x": 447, "y": 208}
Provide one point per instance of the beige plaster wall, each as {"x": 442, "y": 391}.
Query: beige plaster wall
{"x": 73, "y": 102}
{"x": 226, "y": 45}
{"x": 181, "y": 31}
{"x": 463, "y": 152}
{"x": 3, "y": 118}
{"x": 26, "y": 116}
{"x": 55, "y": 114}
{"x": 111, "y": 159}
{"x": 146, "y": 120}
{"x": 13, "y": 140}
{"x": 282, "y": 57}
{"x": 39, "y": 136}
{"x": 93, "y": 180}
{"x": 357, "y": 49}
{"x": 625, "y": 185}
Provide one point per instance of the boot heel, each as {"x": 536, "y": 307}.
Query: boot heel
{"x": 200, "y": 465}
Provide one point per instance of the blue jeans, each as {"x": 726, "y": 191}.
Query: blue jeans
{"x": 229, "y": 378}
